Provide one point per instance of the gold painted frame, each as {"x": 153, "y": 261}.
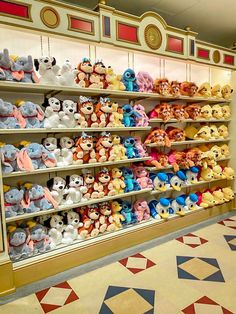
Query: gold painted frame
{"x": 28, "y": 5}
{"x": 176, "y": 37}
{"x": 55, "y": 12}
{"x": 124, "y": 40}
{"x": 147, "y": 41}
{"x": 69, "y": 16}
{"x": 216, "y": 56}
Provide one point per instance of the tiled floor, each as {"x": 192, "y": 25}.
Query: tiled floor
{"x": 192, "y": 274}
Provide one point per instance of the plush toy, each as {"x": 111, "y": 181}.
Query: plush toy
{"x": 130, "y": 183}
{"x": 216, "y": 91}
{"x": 99, "y": 71}
{"x": 56, "y": 230}
{"x": 188, "y": 89}
{"x": 130, "y": 116}
{"x": 75, "y": 189}
{"x": 126, "y": 211}
{"x": 35, "y": 156}
{"x": 31, "y": 114}
{"x": 106, "y": 216}
{"x": 104, "y": 150}
{"x": 226, "y": 91}
{"x": 159, "y": 209}
{"x": 103, "y": 179}
{"x": 48, "y": 70}
{"x": 206, "y": 112}
{"x": 206, "y": 174}
{"x": 194, "y": 156}
{"x": 13, "y": 201}
{"x": 67, "y": 74}
{"x": 226, "y": 112}
{"x": 228, "y": 193}
{"x": 159, "y": 137}
{"x": 129, "y": 80}
{"x": 143, "y": 120}
{"x": 68, "y": 115}
{"x": 66, "y": 151}
{"x": 145, "y": 82}
{"x": 175, "y": 88}
{"x": 218, "y": 196}
{"x": 141, "y": 210}
{"x": 99, "y": 222}
{"x": 193, "y": 111}
{"x": 89, "y": 182}
{"x": 85, "y": 70}
{"x": 39, "y": 237}
{"x": 103, "y": 110}
{"x": 116, "y": 117}
{"x": 204, "y": 133}
{"x": 131, "y": 150}
{"x": 118, "y": 218}
{"x": 142, "y": 151}
{"x": 229, "y": 173}
{"x": 218, "y": 172}
{"x": 162, "y": 87}
{"x": 223, "y": 131}
{"x": 217, "y": 112}
{"x": 8, "y": 156}
{"x": 83, "y": 151}
{"x": 53, "y": 106}
{"x": 216, "y": 150}
{"x": 18, "y": 243}
{"x": 225, "y": 151}
{"x": 205, "y": 199}
{"x": 208, "y": 159}
{"x": 162, "y": 111}
{"x": 191, "y": 201}
{"x": 57, "y": 188}
{"x": 90, "y": 219}
{"x": 192, "y": 175}
{"x": 26, "y": 66}
{"x": 178, "y": 206}
{"x": 10, "y": 118}
{"x": 214, "y": 132}
{"x": 179, "y": 160}
{"x": 159, "y": 180}
{"x": 142, "y": 177}
{"x": 157, "y": 159}
{"x": 118, "y": 150}
{"x": 179, "y": 112}
{"x": 38, "y": 198}
{"x": 176, "y": 180}
{"x": 113, "y": 80}
{"x": 204, "y": 90}
{"x": 71, "y": 229}
{"x": 87, "y": 113}
{"x": 6, "y": 73}
{"x": 175, "y": 134}
{"x": 117, "y": 180}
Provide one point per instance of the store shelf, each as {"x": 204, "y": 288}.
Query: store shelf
{"x": 76, "y": 91}
{"x": 68, "y": 207}
{"x": 170, "y": 167}
{"x": 72, "y": 130}
{"x": 189, "y": 120}
{"x": 72, "y": 167}
{"x": 191, "y": 142}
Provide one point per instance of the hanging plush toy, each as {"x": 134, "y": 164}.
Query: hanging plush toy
{"x": 67, "y": 74}
{"x": 129, "y": 80}
{"x": 48, "y": 70}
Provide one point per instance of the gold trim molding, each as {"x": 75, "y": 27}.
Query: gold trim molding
{"x": 50, "y": 17}
{"x": 152, "y": 36}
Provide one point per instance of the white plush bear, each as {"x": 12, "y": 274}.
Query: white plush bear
{"x": 71, "y": 230}
{"x": 76, "y": 189}
{"x": 56, "y": 230}
{"x": 53, "y": 106}
{"x": 68, "y": 74}
{"x": 47, "y": 68}
{"x": 69, "y": 115}
{"x": 56, "y": 187}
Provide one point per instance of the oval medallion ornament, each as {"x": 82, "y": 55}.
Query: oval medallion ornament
{"x": 216, "y": 56}
{"x": 153, "y": 36}
{"x": 50, "y": 17}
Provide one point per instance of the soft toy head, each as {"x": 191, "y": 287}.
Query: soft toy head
{"x": 103, "y": 176}
{"x": 226, "y": 111}
{"x": 188, "y": 88}
{"x": 176, "y": 180}
{"x": 69, "y": 107}
{"x": 203, "y": 133}
{"x": 127, "y": 173}
{"x": 218, "y": 196}
{"x": 163, "y": 207}
{"x": 218, "y": 173}
{"x": 73, "y": 218}
{"x": 193, "y": 111}
{"x": 225, "y": 150}
{"x": 216, "y": 91}
{"x": 156, "y": 136}
{"x": 207, "y": 174}
{"x": 217, "y": 111}
{"x": 216, "y": 151}
{"x": 206, "y": 112}
{"x": 93, "y": 212}
{"x": 99, "y": 67}
{"x": 56, "y": 222}
{"x": 37, "y": 231}
{"x": 75, "y": 180}
{"x": 140, "y": 205}
{"x": 104, "y": 105}
{"x": 214, "y": 131}
{"x": 50, "y": 143}
{"x": 179, "y": 111}
{"x": 9, "y": 152}
{"x": 208, "y": 198}
{"x": 164, "y": 111}
{"x": 88, "y": 176}
{"x": 85, "y": 66}
{"x": 44, "y": 63}
{"x": 126, "y": 206}
{"x": 17, "y": 237}
{"x": 191, "y": 201}
{"x": 36, "y": 191}
{"x": 175, "y": 134}
{"x": 205, "y": 89}
{"x": 129, "y": 142}
{"x": 159, "y": 180}
{"x": 86, "y": 105}
{"x": 229, "y": 173}
{"x": 140, "y": 172}
{"x": 223, "y": 131}
{"x": 116, "y": 139}
{"x": 66, "y": 142}
{"x": 129, "y": 75}
{"x": 56, "y": 184}
{"x": 228, "y": 193}
{"x": 105, "y": 140}
{"x": 127, "y": 110}
{"x": 6, "y": 108}
{"x": 13, "y": 196}
{"x": 116, "y": 207}
{"x": 162, "y": 86}
{"x": 105, "y": 208}
{"x": 175, "y": 88}
{"x": 116, "y": 173}
{"x": 52, "y": 102}
{"x": 85, "y": 142}
{"x": 226, "y": 91}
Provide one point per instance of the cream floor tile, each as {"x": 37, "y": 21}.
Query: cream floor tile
{"x": 27, "y": 305}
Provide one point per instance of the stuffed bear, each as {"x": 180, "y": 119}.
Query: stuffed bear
{"x": 162, "y": 87}
{"x": 75, "y": 189}
{"x": 84, "y": 152}
{"x": 225, "y": 151}
{"x": 175, "y": 89}
{"x": 13, "y": 201}
{"x": 228, "y": 193}
{"x": 206, "y": 174}
{"x": 57, "y": 188}
{"x": 9, "y": 155}
{"x": 31, "y": 115}
{"x": 10, "y": 117}
{"x": 218, "y": 196}
{"x": 117, "y": 180}
{"x": 68, "y": 115}
{"x": 113, "y": 80}
{"x": 159, "y": 137}
{"x": 90, "y": 219}
{"x": 162, "y": 111}
{"x": 204, "y": 90}
{"x": 229, "y": 173}
{"x": 73, "y": 223}
{"x": 104, "y": 150}
{"x": 53, "y": 107}
{"x": 87, "y": 113}
{"x": 141, "y": 210}
{"x": 205, "y": 199}
{"x": 103, "y": 179}
{"x": 67, "y": 74}
{"x": 48, "y": 70}
{"x": 214, "y": 132}
{"x": 18, "y": 243}
{"x": 145, "y": 82}
{"x": 129, "y": 80}
{"x": 218, "y": 172}
{"x": 116, "y": 117}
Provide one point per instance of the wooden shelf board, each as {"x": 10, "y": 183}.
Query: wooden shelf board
{"x": 72, "y": 206}
{"x": 191, "y": 142}
{"x": 188, "y": 120}
{"x": 72, "y": 167}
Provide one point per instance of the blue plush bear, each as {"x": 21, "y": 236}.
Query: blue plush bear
{"x": 159, "y": 180}
{"x": 126, "y": 211}
{"x": 131, "y": 150}
{"x": 130, "y": 182}
{"x": 129, "y": 80}
{"x": 13, "y": 199}
{"x": 36, "y": 200}
{"x": 129, "y": 115}
{"x": 8, "y": 116}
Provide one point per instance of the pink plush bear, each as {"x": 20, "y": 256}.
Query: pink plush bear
{"x": 140, "y": 147}
{"x": 145, "y": 82}
{"x": 142, "y": 177}
{"x": 141, "y": 210}
{"x": 143, "y": 120}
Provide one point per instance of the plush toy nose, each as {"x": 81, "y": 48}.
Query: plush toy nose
{"x": 103, "y": 66}
{"x": 76, "y": 182}
{"x": 89, "y": 145}
{"x": 132, "y": 75}
{"x": 106, "y": 177}
{"x": 46, "y": 61}
{"x": 132, "y": 141}
{"x": 110, "y": 142}
{"x": 60, "y": 222}
{"x": 90, "y": 177}
{"x": 128, "y": 110}
{"x": 110, "y": 105}
{"x": 71, "y": 110}
{"x": 47, "y": 144}
{"x": 76, "y": 220}
{"x": 61, "y": 187}
{"x": 89, "y": 108}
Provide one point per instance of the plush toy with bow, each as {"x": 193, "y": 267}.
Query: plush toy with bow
{"x": 103, "y": 179}
{"x": 85, "y": 70}
{"x": 103, "y": 110}
{"x": 99, "y": 71}
{"x": 83, "y": 151}
{"x": 104, "y": 150}
{"x": 87, "y": 112}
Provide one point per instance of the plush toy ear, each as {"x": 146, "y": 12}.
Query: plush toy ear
{"x": 49, "y": 197}
{"x": 67, "y": 180}
{"x": 36, "y": 64}
{"x": 40, "y": 113}
{"x": 48, "y": 158}
{"x": 54, "y": 61}
{"x": 50, "y": 183}
{"x": 23, "y": 161}
{"x": 26, "y": 199}
{"x": 45, "y": 103}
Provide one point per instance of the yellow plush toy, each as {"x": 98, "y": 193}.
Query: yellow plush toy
{"x": 206, "y": 174}
{"x": 228, "y": 193}
{"x": 191, "y": 132}
{"x": 225, "y": 151}
{"x": 117, "y": 180}
{"x": 229, "y": 173}
{"x": 217, "y": 112}
{"x": 113, "y": 80}
{"x": 226, "y": 91}
{"x": 216, "y": 91}
{"x": 204, "y": 90}
{"x": 207, "y": 200}
{"x": 116, "y": 215}
{"x": 219, "y": 197}
{"x": 223, "y": 131}
{"x": 116, "y": 116}
{"x": 207, "y": 157}
{"x": 226, "y": 111}
{"x": 118, "y": 149}
{"x": 206, "y": 112}
{"x": 214, "y": 132}
{"x": 218, "y": 173}
{"x": 216, "y": 150}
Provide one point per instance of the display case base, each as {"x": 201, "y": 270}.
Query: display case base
{"x": 37, "y": 269}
